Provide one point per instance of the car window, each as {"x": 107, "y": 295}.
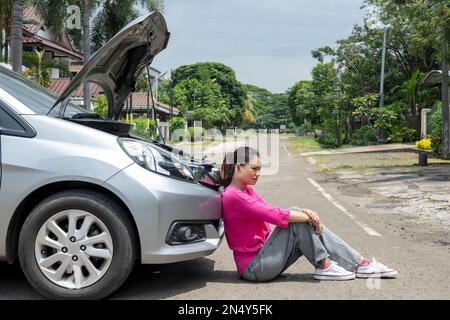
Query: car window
{"x": 12, "y": 125}
{"x": 34, "y": 96}
{"x": 8, "y": 123}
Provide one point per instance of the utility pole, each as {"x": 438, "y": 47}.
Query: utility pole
{"x": 171, "y": 93}
{"x": 383, "y": 61}
{"x": 445, "y": 104}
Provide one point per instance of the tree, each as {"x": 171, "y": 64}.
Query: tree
{"x": 116, "y": 14}
{"x": 54, "y": 13}
{"x": 428, "y": 24}
{"x": 113, "y": 16}
{"x": 16, "y": 36}
{"x": 164, "y": 90}
{"x": 364, "y": 106}
{"x": 270, "y": 110}
{"x": 302, "y": 103}
{"x": 202, "y": 100}
{"x": 418, "y": 30}
{"x": 249, "y": 116}
{"x": 329, "y": 100}
{"x": 232, "y": 91}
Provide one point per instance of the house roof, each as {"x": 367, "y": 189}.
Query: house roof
{"x": 32, "y": 19}
{"x": 33, "y": 23}
{"x": 58, "y": 50}
{"x": 140, "y": 102}
{"x": 58, "y": 85}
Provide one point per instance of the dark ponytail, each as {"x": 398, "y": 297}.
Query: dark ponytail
{"x": 241, "y": 155}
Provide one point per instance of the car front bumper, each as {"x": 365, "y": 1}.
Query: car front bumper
{"x": 156, "y": 202}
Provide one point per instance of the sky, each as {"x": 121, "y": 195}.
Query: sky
{"x": 268, "y": 43}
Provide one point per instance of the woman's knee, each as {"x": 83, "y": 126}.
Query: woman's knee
{"x": 301, "y": 226}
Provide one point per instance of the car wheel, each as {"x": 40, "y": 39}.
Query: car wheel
{"x": 77, "y": 244}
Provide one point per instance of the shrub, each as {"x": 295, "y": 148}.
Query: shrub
{"x": 399, "y": 133}
{"x": 142, "y": 129}
{"x": 100, "y": 106}
{"x": 328, "y": 140}
{"x": 364, "y": 136}
{"x": 436, "y": 129}
{"x": 176, "y": 123}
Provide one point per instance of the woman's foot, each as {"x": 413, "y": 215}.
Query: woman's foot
{"x": 332, "y": 271}
{"x": 375, "y": 269}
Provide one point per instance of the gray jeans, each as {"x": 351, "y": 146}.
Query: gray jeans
{"x": 284, "y": 246}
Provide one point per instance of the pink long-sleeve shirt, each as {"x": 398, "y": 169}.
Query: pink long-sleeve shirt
{"x": 246, "y": 218}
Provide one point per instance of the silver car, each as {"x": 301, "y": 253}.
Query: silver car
{"x": 81, "y": 197}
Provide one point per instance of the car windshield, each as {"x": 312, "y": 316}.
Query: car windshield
{"x": 31, "y": 94}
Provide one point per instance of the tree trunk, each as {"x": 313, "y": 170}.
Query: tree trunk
{"x": 16, "y": 36}
{"x": 1, "y": 42}
{"x": 445, "y": 104}
{"x": 87, "y": 51}
{"x": 6, "y": 50}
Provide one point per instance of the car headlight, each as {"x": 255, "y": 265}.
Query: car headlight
{"x": 156, "y": 159}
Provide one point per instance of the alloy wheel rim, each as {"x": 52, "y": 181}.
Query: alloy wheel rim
{"x": 74, "y": 249}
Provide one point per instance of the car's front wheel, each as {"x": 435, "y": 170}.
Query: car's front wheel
{"x": 77, "y": 244}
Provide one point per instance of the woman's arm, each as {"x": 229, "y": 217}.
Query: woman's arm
{"x": 297, "y": 216}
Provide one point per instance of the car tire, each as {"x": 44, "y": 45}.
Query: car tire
{"x": 120, "y": 246}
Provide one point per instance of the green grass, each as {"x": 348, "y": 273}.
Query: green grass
{"x": 304, "y": 144}
{"x": 309, "y": 144}
{"x": 372, "y": 162}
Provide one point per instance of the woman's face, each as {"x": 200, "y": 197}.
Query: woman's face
{"x": 249, "y": 173}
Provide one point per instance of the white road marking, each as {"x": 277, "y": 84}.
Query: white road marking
{"x": 366, "y": 228}
{"x": 285, "y": 149}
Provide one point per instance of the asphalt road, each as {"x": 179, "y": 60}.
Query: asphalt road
{"x": 423, "y": 267}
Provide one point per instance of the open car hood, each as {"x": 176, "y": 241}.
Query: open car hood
{"x": 116, "y": 66}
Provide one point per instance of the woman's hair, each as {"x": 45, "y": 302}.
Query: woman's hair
{"x": 241, "y": 155}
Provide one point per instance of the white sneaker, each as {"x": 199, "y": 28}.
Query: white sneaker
{"x": 333, "y": 272}
{"x": 375, "y": 270}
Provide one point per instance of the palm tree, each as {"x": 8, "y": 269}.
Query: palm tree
{"x": 40, "y": 70}
{"x": 115, "y": 15}
{"x": 16, "y": 35}
{"x": 249, "y": 114}
{"x": 54, "y": 13}
{"x": 118, "y": 13}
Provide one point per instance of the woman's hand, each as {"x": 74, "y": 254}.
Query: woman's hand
{"x": 313, "y": 216}
{"x": 314, "y": 220}
{"x": 318, "y": 228}
{"x": 307, "y": 216}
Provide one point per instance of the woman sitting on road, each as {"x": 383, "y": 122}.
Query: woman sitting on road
{"x": 260, "y": 257}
